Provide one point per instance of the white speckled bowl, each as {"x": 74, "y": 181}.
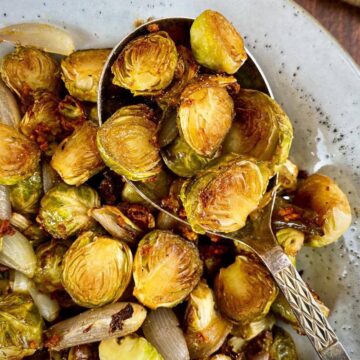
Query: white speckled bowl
{"x": 311, "y": 76}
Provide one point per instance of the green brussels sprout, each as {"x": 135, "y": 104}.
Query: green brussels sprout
{"x": 48, "y": 271}
{"x": 204, "y": 101}
{"x": 253, "y": 329}
{"x": 291, "y": 240}
{"x": 288, "y": 174}
{"x": 283, "y": 346}
{"x": 205, "y": 329}
{"x": 28, "y": 69}
{"x": 26, "y": 194}
{"x": 245, "y": 290}
{"x": 147, "y": 64}
{"x": 221, "y": 197}
{"x": 216, "y": 44}
{"x": 261, "y": 129}
{"x": 21, "y": 327}
{"x": 166, "y": 269}
{"x": 130, "y": 195}
{"x": 322, "y": 195}
{"x": 167, "y": 128}
{"x": 19, "y": 156}
{"x": 130, "y": 347}
{"x": 77, "y": 158}
{"x": 89, "y": 280}
{"x": 81, "y": 72}
{"x": 127, "y": 143}
{"x": 64, "y": 210}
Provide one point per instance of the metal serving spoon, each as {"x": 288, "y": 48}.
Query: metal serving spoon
{"x": 260, "y": 238}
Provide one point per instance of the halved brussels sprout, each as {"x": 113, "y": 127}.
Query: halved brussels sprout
{"x": 130, "y": 347}
{"x": 221, "y": 197}
{"x": 64, "y": 210}
{"x": 19, "y": 156}
{"x": 288, "y": 174}
{"x": 77, "y": 158}
{"x": 88, "y": 280}
{"x": 283, "y": 346}
{"x": 127, "y": 143}
{"x": 147, "y": 64}
{"x": 245, "y": 290}
{"x": 26, "y": 194}
{"x": 291, "y": 240}
{"x": 322, "y": 195}
{"x": 48, "y": 270}
{"x": 205, "y": 329}
{"x": 81, "y": 72}
{"x": 21, "y": 326}
{"x": 206, "y": 112}
{"x": 216, "y": 44}
{"x": 261, "y": 129}
{"x": 166, "y": 269}
{"x": 73, "y": 114}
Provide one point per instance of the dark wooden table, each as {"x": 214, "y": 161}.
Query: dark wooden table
{"x": 341, "y": 19}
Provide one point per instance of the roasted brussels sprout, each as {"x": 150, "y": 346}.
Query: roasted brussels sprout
{"x": 25, "y": 195}
{"x": 19, "y": 156}
{"x": 288, "y": 174}
{"x": 130, "y": 347}
{"x": 81, "y": 72}
{"x": 73, "y": 114}
{"x": 205, "y": 329}
{"x": 64, "y": 210}
{"x": 127, "y": 143}
{"x": 20, "y": 327}
{"x": 166, "y": 269}
{"x": 28, "y": 69}
{"x": 253, "y": 329}
{"x": 221, "y": 197}
{"x": 291, "y": 240}
{"x": 91, "y": 282}
{"x": 147, "y": 64}
{"x": 261, "y": 129}
{"x": 206, "y": 112}
{"x": 77, "y": 158}
{"x": 48, "y": 270}
{"x": 245, "y": 290}
{"x": 322, "y": 195}
{"x": 216, "y": 44}
{"x": 167, "y": 128}
{"x": 283, "y": 346}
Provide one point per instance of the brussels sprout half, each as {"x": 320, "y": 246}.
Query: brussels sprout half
{"x": 283, "y": 346}
{"x": 216, "y": 44}
{"x": 147, "y": 64}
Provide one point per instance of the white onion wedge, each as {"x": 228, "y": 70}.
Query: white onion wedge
{"x": 9, "y": 110}
{"x": 5, "y": 206}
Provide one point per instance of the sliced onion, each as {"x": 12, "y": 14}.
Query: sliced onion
{"x": 5, "y": 206}
{"x": 49, "y": 176}
{"x": 44, "y": 36}
{"x": 161, "y": 329}
{"x": 9, "y": 110}
{"x": 20, "y": 283}
{"x": 20, "y": 222}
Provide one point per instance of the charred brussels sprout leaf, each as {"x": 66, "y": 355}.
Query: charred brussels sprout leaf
{"x": 166, "y": 269}
{"x": 81, "y": 72}
{"x": 216, "y": 44}
{"x": 19, "y": 156}
{"x": 64, "y": 210}
{"x": 245, "y": 290}
{"x": 283, "y": 346}
{"x": 146, "y": 65}
{"x": 20, "y": 327}
{"x": 77, "y": 158}
{"x": 128, "y": 145}
{"x": 96, "y": 270}
{"x": 206, "y": 112}
{"x": 322, "y": 195}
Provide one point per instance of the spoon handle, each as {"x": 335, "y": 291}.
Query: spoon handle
{"x": 304, "y": 306}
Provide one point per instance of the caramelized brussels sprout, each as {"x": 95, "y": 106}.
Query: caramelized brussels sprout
{"x": 72, "y": 113}
{"x": 19, "y": 156}
{"x": 28, "y": 69}
{"x": 25, "y": 195}
{"x": 205, "y": 329}
{"x": 166, "y": 269}
{"x": 221, "y": 197}
{"x": 146, "y": 65}
{"x": 288, "y": 174}
{"x": 81, "y": 72}
{"x": 206, "y": 112}
{"x": 216, "y": 44}
{"x": 261, "y": 129}
{"x": 89, "y": 280}
{"x": 245, "y": 290}
{"x": 64, "y": 210}
{"x": 283, "y": 346}
{"x": 322, "y": 195}
{"x": 291, "y": 240}
{"x": 77, "y": 158}
{"x": 20, "y": 326}
{"x": 253, "y": 329}
{"x": 130, "y": 347}
{"x": 127, "y": 143}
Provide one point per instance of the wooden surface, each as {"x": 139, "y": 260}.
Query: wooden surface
{"x": 341, "y": 19}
